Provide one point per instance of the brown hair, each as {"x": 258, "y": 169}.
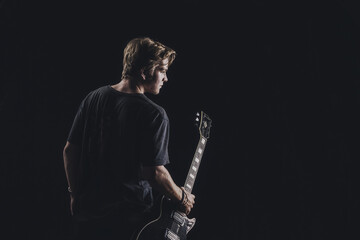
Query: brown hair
{"x": 144, "y": 53}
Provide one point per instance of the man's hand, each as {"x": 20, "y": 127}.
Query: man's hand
{"x": 188, "y": 202}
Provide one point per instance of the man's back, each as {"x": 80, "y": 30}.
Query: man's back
{"x": 118, "y": 133}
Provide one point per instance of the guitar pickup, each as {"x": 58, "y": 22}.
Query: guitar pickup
{"x": 169, "y": 235}
{"x": 179, "y": 219}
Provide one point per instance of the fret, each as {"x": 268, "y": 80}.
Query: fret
{"x": 190, "y": 182}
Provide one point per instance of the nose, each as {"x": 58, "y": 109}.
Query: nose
{"x": 165, "y": 78}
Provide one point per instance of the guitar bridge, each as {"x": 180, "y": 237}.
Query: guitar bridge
{"x": 169, "y": 235}
{"x": 179, "y": 219}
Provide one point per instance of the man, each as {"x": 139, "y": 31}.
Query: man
{"x": 117, "y": 148}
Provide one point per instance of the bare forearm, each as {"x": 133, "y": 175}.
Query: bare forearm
{"x": 160, "y": 179}
{"x": 163, "y": 182}
{"x": 71, "y": 159}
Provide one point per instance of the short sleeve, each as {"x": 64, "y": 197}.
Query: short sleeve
{"x": 75, "y": 135}
{"x": 154, "y": 149}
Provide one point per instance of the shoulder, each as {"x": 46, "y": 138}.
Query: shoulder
{"x": 96, "y": 92}
{"x": 99, "y": 91}
{"x": 154, "y": 110}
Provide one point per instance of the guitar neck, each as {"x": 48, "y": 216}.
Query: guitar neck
{"x": 194, "y": 168}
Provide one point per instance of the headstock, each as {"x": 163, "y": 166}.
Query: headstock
{"x": 203, "y": 122}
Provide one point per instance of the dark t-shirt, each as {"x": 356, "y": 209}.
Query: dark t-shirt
{"x": 118, "y": 134}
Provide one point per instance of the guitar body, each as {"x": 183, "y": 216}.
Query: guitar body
{"x": 171, "y": 224}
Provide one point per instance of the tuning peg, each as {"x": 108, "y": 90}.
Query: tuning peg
{"x": 197, "y": 121}
{"x": 198, "y": 114}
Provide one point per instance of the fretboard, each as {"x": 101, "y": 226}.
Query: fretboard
{"x": 194, "y": 168}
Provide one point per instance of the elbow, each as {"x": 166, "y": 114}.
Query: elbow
{"x": 67, "y": 148}
{"x": 161, "y": 176}
{"x": 154, "y": 175}
{"x": 158, "y": 175}
{"x": 66, "y": 153}
{"x": 70, "y": 153}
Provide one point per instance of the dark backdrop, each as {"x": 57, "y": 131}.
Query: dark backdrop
{"x": 280, "y": 81}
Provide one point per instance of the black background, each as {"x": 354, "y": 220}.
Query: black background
{"x": 280, "y": 80}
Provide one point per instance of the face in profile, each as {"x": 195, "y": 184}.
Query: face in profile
{"x": 155, "y": 80}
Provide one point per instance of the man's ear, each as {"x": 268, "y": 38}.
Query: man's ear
{"x": 142, "y": 74}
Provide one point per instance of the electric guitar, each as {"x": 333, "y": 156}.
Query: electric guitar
{"x": 171, "y": 223}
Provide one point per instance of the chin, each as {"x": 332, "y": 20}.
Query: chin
{"x": 154, "y": 92}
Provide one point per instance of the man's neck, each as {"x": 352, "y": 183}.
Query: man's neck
{"x": 127, "y": 85}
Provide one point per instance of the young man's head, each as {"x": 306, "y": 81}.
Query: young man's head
{"x": 149, "y": 60}
{"x": 144, "y": 54}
